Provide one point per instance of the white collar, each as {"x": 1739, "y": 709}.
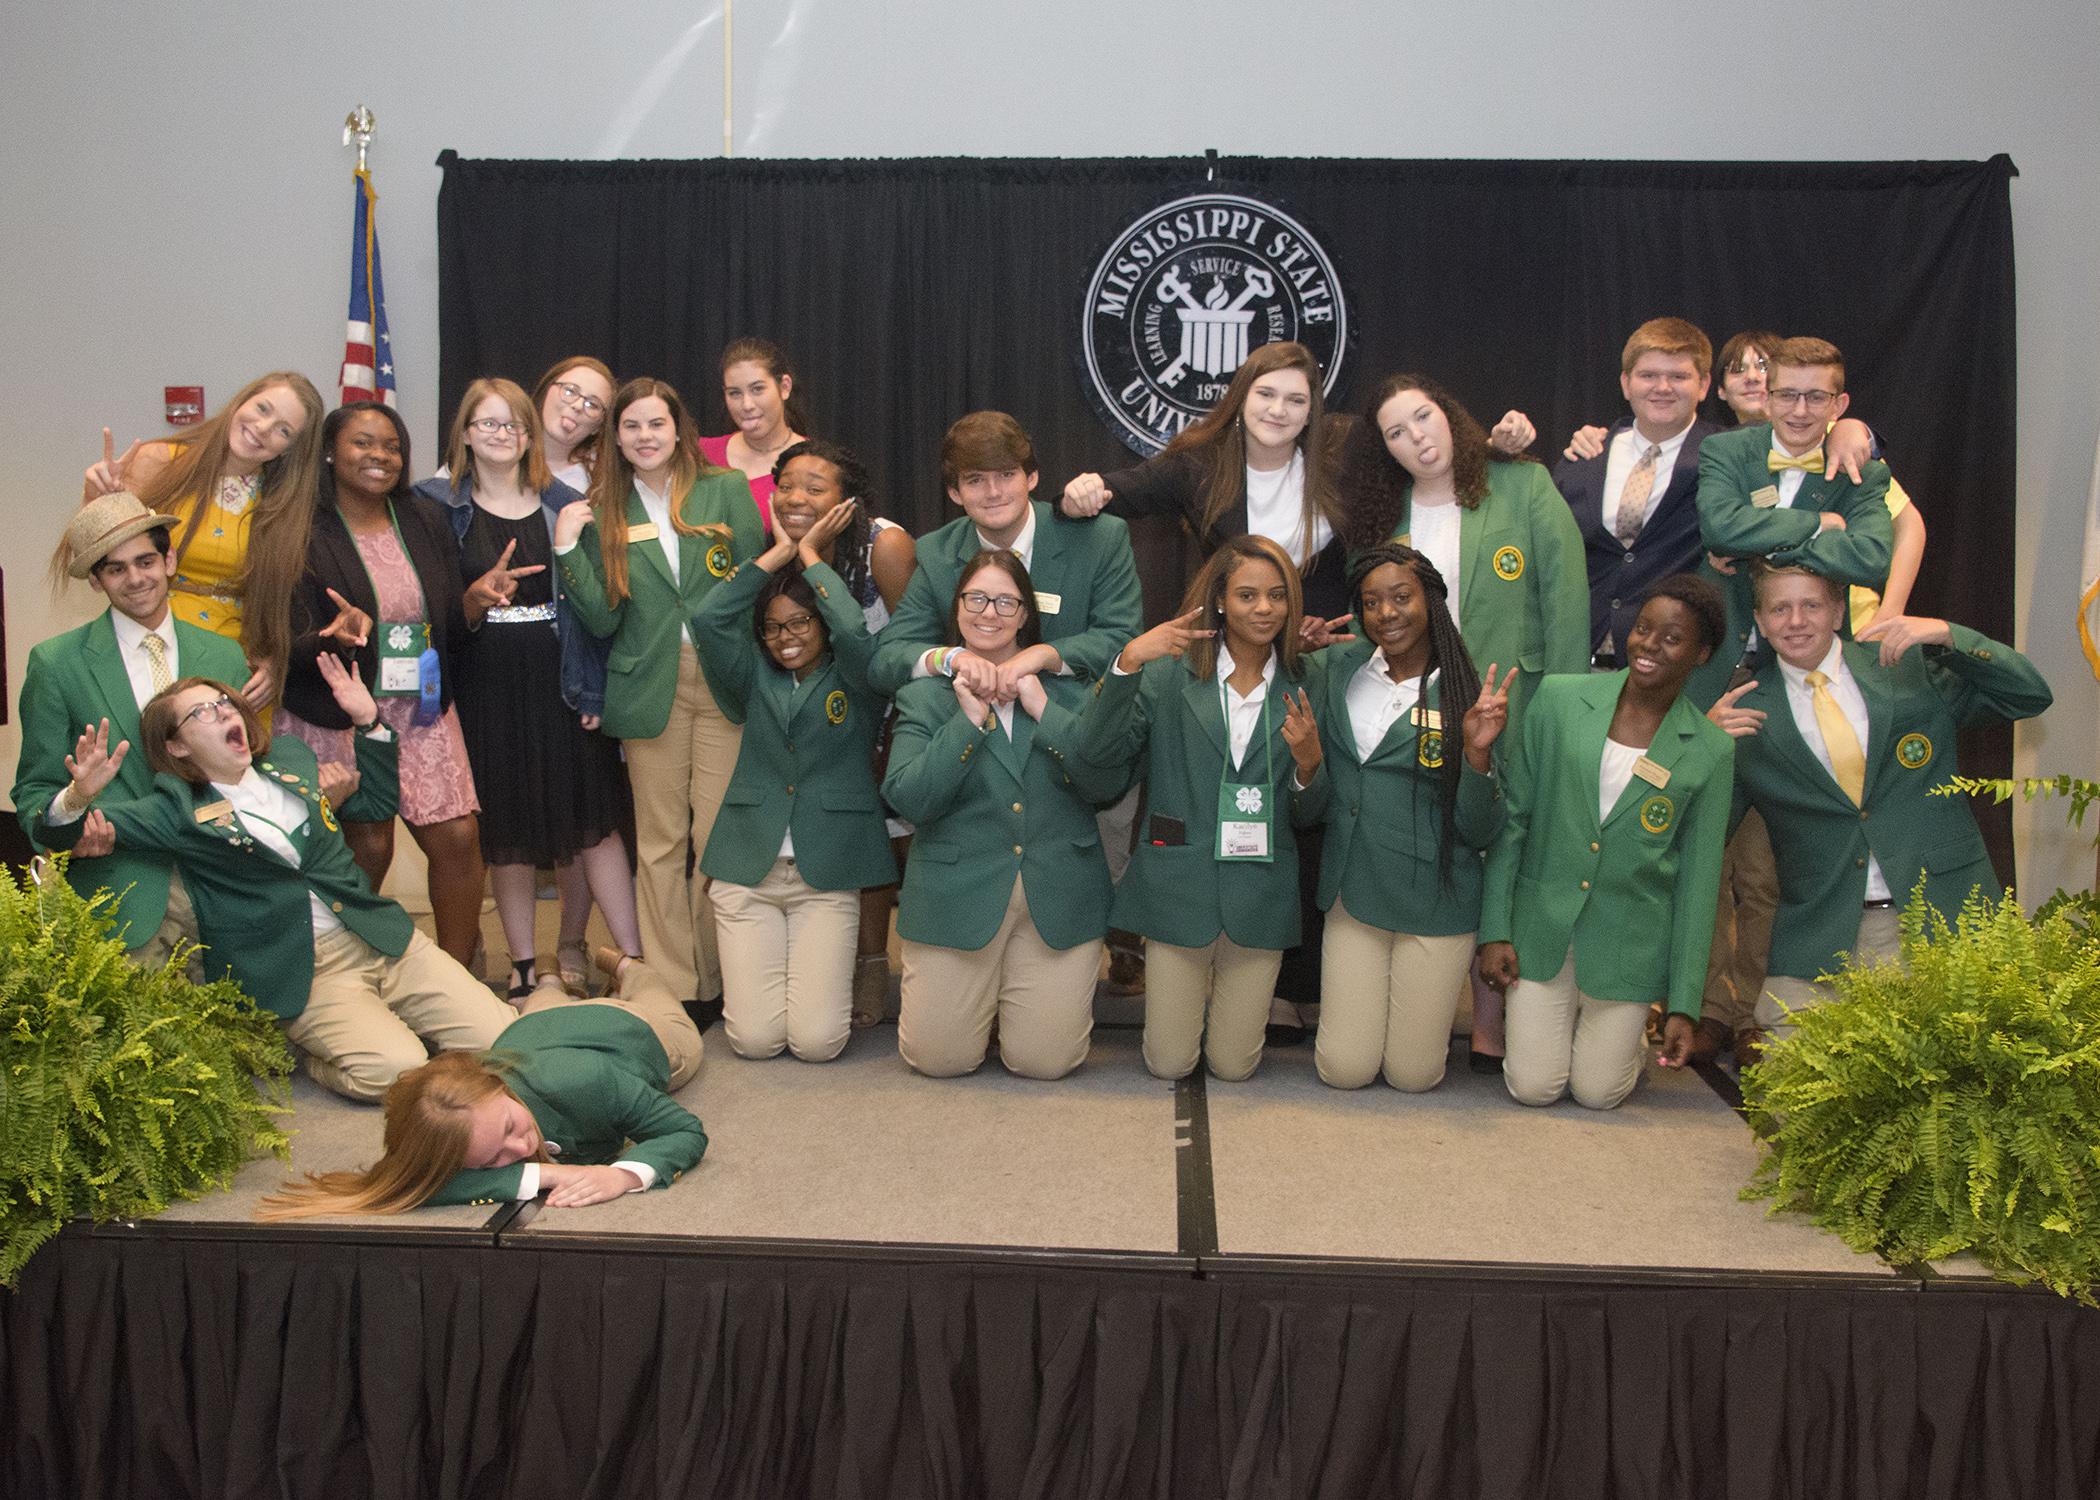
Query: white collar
{"x": 130, "y": 633}
{"x": 1832, "y": 666}
{"x": 1376, "y": 666}
{"x": 1223, "y": 668}
{"x": 251, "y": 781}
{"x": 1666, "y": 450}
{"x": 1023, "y": 543}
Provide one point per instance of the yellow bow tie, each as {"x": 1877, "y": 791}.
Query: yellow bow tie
{"x": 1809, "y": 462}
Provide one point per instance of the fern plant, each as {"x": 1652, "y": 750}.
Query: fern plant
{"x": 122, "y": 1089}
{"x": 1948, "y": 1102}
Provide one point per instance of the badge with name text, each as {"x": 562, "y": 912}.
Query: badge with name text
{"x": 1184, "y": 293}
{"x": 1655, "y": 775}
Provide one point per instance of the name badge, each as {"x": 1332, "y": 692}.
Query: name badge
{"x": 645, "y": 531}
{"x": 1047, "y": 603}
{"x": 1243, "y": 822}
{"x": 211, "y": 812}
{"x": 1765, "y": 498}
{"x": 1426, "y": 718}
{"x": 1655, "y": 775}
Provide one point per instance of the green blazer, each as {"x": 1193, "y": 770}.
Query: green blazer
{"x": 1821, "y": 841}
{"x": 986, "y": 807}
{"x": 594, "y": 1078}
{"x": 807, "y": 762}
{"x": 1731, "y": 469}
{"x": 253, "y": 915}
{"x": 1385, "y": 818}
{"x": 641, "y": 671}
{"x": 1524, "y": 584}
{"x": 1086, "y": 590}
{"x": 1635, "y": 894}
{"x": 76, "y": 679}
{"x": 1170, "y": 722}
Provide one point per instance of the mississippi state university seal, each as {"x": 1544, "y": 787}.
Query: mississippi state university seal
{"x": 1184, "y": 294}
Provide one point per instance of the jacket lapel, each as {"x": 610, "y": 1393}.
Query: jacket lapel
{"x": 1865, "y": 665}
{"x": 106, "y": 669}
{"x": 1678, "y": 726}
{"x": 650, "y": 555}
{"x": 1402, "y": 735}
{"x": 1785, "y": 737}
{"x": 1047, "y": 569}
{"x": 1201, "y": 695}
{"x": 1469, "y": 550}
{"x": 1012, "y": 752}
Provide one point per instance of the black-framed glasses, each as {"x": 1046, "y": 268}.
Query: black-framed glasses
{"x": 492, "y": 426}
{"x": 773, "y": 630}
{"x": 1811, "y": 400}
{"x": 1005, "y": 606}
{"x": 591, "y": 406}
{"x": 208, "y": 712}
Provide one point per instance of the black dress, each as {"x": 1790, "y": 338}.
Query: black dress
{"x": 549, "y": 787}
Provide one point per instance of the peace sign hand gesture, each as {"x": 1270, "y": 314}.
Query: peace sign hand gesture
{"x": 107, "y": 477}
{"x": 1740, "y": 722}
{"x": 1302, "y": 734}
{"x": 493, "y": 589}
{"x": 1487, "y": 718}
{"x": 1169, "y": 638}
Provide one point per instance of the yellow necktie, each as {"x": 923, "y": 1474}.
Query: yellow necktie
{"x": 157, "y": 660}
{"x": 1847, "y": 760}
{"x": 1809, "y": 462}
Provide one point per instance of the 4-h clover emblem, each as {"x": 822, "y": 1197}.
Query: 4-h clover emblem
{"x": 1913, "y": 751}
{"x": 1429, "y": 748}
{"x": 1509, "y": 564}
{"x": 400, "y": 637}
{"x": 1656, "y": 813}
{"x": 1248, "y": 800}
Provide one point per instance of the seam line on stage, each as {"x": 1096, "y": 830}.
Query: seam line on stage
{"x": 1195, "y": 1191}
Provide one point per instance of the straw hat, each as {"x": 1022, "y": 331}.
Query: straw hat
{"x": 106, "y": 523}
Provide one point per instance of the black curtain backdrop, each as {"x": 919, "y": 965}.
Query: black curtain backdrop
{"x": 911, "y": 291}
{"x": 148, "y": 1365}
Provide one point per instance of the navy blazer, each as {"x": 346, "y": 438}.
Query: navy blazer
{"x": 1668, "y": 544}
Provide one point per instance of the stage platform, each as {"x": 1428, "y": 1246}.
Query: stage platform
{"x": 878, "y": 1284}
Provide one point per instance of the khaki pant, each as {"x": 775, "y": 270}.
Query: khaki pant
{"x": 1562, "y": 1041}
{"x": 1735, "y": 969}
{"x": 1222, "y": 982}
{"x": 1879, "y": 937}
{"x": 645, "y": 996}
{"x": 679, "y": 779}
{"x": 179, "y": 925}
{"x": 368, "y": 1015}
{"x": 1387, "y": 1000}
{"x": 787, "y": 964}
{"x": 1042, "y": 996}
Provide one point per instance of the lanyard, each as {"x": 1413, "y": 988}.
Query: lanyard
{"x": 1245, "y": 810}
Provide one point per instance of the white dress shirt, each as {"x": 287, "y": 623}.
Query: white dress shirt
{"x": 1614, "y": 772}
{"x": 1276, "y": 509}
{"x": 1242, "y": 715}
{"x": 1801, "y": 698}
{"x": 1377, "y": 701}
{"x": 270, "y": 814}
{"x": 1619, "y": 461}
{"x": 131, "y": 646}
{"x": 1787, "y": 480}
{"x": 1433, "y": 531}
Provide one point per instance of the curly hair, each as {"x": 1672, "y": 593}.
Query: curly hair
{"x": 1702, "y": 599}
{"x": 1374, "y": 486}
{"x": 852, "y": 554}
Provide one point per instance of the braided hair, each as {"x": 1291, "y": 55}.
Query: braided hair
{"x": 852, "y": 553}
{"x": 1447, "y": 655}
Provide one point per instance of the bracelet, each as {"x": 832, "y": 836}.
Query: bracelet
{"x": 947, "y": 662}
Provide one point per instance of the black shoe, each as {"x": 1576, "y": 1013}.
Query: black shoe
{"x": 704, "y": 1013}
{"x": 1280, "y": 1035}
{"x": 1486, "y": 1063}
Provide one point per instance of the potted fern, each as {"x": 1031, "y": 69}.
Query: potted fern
{"x": 1950, "y": 1102}
{"x": 122, "y": 1089}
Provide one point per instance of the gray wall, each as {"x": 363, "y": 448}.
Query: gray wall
{"x": 177, "y": 205}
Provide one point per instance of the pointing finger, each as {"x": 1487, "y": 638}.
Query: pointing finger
{"x": 109, "y": 448}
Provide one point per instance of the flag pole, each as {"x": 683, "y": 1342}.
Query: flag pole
{"x": 359, "y": 126}
{"x": 728, "y": 76}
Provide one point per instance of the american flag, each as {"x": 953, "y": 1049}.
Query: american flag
{"x": 368, "y": 353}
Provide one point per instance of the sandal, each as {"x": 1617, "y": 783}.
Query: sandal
{"x": 572, "y": 962}
{"x": 523, "y": 980}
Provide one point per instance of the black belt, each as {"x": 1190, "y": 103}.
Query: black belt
{"x": 1881, "y": 905}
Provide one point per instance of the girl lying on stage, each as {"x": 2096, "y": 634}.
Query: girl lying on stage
{"x": 573, "y": 1100}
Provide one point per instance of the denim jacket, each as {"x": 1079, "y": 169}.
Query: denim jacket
{"x": 583, "y": 655}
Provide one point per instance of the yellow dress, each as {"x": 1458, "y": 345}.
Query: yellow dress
{"x": 205, "y": 590}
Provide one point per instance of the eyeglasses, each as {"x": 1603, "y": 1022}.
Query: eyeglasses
{"x": 209, "y": 712}
{"x": 591, "y": 406}
{"x": 1809, "y": 400}
{"x": 1005, "y": 606}
{"x": 491, "y": 426}
{"x": 1748, "y": 363}
{"x": 773, "y": 630}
